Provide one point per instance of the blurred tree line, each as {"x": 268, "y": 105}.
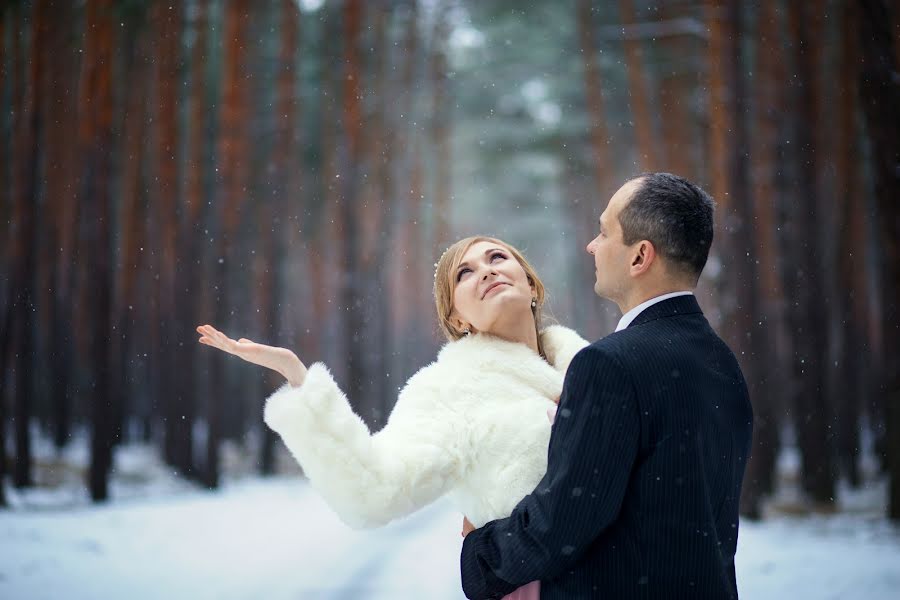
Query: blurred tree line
{"x": 290, "y": 171}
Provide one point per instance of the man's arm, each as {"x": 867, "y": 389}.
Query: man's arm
{"x": 593, "y": 448}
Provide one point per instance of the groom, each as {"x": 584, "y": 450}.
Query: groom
{"x": 647, "y": 453}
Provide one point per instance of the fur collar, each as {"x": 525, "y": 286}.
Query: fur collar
{"x": 486, "y": 353}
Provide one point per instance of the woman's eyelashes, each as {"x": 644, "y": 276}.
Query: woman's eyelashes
{"x": 465, "y": 270}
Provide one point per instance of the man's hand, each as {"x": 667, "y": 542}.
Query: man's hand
{"x": 467, "y": 527}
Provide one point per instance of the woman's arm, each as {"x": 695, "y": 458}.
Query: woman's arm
{"x": 369, "y": 480}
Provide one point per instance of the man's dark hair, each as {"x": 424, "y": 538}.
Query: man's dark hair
{"x": 675, "y": 215}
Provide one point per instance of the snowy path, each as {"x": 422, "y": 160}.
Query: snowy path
{"x": 275, "y": 539}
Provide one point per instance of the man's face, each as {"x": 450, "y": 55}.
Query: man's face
{"x": 612, "y": 258}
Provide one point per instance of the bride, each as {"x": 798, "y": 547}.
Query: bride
{"x": 472, "y": 425}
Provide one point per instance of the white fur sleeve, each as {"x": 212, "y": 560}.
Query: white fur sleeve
{"x": 368, "y": 480}
{"x": 561, "y": 344}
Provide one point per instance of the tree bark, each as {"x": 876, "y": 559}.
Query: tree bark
{"x": 880, "y": 94}
{"x": 28, "y": 131}
{"x": 807, "y": 313}
{"x": 286, "y": 164}
{"x": 639, "y": 94}
{"x": 96, "y": 143}
{"x": 768, "y": 396}
{"x": 233, "y": 163}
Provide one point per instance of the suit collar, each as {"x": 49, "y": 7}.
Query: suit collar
{"x": 680, "y": 305}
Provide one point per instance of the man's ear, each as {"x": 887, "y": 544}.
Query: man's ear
{"x": 643, "y": 257}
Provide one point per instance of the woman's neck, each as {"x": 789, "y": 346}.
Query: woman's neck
{"x": 520, "y": 331}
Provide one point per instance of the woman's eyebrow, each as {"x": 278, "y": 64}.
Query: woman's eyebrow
{"x": 486, "y": 252}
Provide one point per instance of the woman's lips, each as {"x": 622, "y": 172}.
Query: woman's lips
{"x": 492, "y": 287}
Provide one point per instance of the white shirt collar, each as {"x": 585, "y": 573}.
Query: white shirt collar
{"x": 632, "y": 314}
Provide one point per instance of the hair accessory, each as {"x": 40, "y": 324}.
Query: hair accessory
{"x": 439, "y": 261}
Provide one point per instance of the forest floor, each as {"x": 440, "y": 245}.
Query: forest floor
{"x": 273, "y": 538}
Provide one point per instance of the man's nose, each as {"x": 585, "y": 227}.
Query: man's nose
{"x": 590, "y": 247}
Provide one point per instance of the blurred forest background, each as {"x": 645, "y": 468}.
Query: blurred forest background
{"x": 290, "y": 172}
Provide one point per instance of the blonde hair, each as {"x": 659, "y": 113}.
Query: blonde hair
{"x": 445, "y": 284}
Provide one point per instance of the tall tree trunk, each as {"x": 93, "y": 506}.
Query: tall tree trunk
{"x": 26, "y": 168}
{"x": 581, "y": 211}
{"x": 133, "y": 214}
{"x": 167, "y": 30}
{"x": 807, "y": 314}
{"x": 286, "y": 162}
{"x": 852, "y": 256}
{"x": 440, "y": 128}
{"x": 739, "y": 295}
{"x": 5, "y": 321}
{"x": 409, "y": 305}
{"x": 639, "y": 93}
{"x": 60, "y": 101}
{"x": 232, "y": 157}
{"x": 96, "y": 141}
{"x": 190, "y": 241}
{"x": 350, "y": 157}
{"x": 880, "y": 94}
{"x": 768, "y": 396}
{"x": 676, "y": 87}
{"x": 721, "y": 52}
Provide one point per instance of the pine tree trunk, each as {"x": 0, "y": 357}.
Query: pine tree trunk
{"x": 233, "y": 176}
{"x": 440, "y": 130}
{"x": 807, "y": 314}
{"x": 639, "y": 94}
{"x": 284, "y": 158}
{"x": 167, "y": 34}
{"x": 852, "y": 257}
{"x": 879, "y": 89}
{"x": 96, "y": 143}
{"x": 26, "y": 168}
{"x": 768, "y": 396}
{"x": 62, "y": 72}
{"x": 676, "y": 87}
{"x": 350, "y": 156}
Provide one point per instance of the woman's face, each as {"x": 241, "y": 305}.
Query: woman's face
{"x": 491, "y": 288}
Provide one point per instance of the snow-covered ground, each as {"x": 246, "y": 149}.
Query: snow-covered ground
{"x": 275, "y": 539}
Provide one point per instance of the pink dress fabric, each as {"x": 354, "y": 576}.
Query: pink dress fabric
{"x": 531, "y": 591}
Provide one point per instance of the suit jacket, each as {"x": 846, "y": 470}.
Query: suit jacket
{"x": 646, "y": 458}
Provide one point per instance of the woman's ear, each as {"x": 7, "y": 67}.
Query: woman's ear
{"x": 456, "y": 321}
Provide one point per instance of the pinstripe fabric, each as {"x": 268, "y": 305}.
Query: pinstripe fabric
{"x": 645, "y": 465}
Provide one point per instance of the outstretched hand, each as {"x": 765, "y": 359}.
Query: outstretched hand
{"x": 281, "y": 360}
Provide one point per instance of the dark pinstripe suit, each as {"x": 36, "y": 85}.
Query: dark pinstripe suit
{"x": 645, "y": 464}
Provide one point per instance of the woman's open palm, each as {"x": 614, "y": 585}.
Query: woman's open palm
{"x": 281, "y": 360}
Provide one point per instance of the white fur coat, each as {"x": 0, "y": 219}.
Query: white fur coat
{"x": 472, "y": 424}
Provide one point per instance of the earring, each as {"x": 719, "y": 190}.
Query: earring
{"x": 466, "y": 331}
{"x": 534, "y": 303}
